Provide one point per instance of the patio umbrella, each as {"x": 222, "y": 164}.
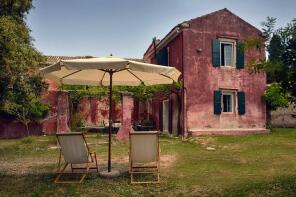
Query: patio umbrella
{"x": 109, "y": 71}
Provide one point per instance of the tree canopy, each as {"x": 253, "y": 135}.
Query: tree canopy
{"x": 20, "y": 86}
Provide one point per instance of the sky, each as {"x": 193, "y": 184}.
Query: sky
{"x": 125, "y": 28}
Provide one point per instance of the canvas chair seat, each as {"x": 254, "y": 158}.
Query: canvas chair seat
{"x": 76, "y": 152}
{"x": 144, "y": 155}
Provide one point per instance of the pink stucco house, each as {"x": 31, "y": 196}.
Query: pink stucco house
{"x": 220, "y": 95}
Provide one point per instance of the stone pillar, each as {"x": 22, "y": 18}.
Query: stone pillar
{"x": 94, "y": 110}
{"x": 63, "y": 112}
{"x": 126, "y": 116}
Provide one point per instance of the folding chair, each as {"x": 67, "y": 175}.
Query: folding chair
{"x": 144, "y": 155}
{"x": 75, "y": 151}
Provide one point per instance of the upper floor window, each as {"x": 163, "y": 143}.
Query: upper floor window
{"x": 162, "y": 57}
{"x": 226, "y": 53}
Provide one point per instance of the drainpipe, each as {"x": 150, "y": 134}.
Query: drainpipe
{"x": 154, "y": 46}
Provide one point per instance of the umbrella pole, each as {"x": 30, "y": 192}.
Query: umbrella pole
{"x": 110, "y": 121}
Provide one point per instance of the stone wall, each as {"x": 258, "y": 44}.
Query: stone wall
{"x": 284, "y": 117}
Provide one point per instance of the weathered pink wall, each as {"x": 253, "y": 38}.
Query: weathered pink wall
{"x": 96, "y": 111}
{"x": 126, "y": 118}
{"x": 201, "y": 78}
{"x": 15, "y": 129}
{"x": 56, "y": 121}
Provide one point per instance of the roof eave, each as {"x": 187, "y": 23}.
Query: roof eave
{"x": 169, "y": 37}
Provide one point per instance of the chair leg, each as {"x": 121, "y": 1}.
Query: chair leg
{"x": 157, "y": 174}
{"x": 59, "y": 162}
{"x": 132, "y": 180}
{"x": 84, "y": 175}
{"x": 95, "y": 155}
{"x": 60, "y": 172}
{"x": 57, "y": 180}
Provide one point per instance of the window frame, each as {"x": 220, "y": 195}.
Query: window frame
{"x": 233, "y": 101}
{"x": 233, "y": 60}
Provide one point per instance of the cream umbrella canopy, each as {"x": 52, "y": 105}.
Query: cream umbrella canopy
{"x": 109, "y": 71}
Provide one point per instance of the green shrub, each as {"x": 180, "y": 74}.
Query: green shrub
{"x": 28, "y": 140}
{"x": 275, "y": 96}
{"x": 76, "y": 123}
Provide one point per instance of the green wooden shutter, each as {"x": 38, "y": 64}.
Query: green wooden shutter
{"x": 162, "y": 57}
{"x": 240, "y": 56}
{"x": 241, "y": 103}
{"x": 216, "y": 53}
{"x": 217, "y": 101}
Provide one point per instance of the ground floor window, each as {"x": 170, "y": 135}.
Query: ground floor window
{"x": 227, "y": 101}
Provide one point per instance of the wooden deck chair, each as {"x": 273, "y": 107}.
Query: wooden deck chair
{"x": 75, "y": 151}
{"x": 144, "y": 155}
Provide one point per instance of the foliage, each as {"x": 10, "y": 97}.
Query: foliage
{"x": 268, "y": 27}
{"x": 281, "y": 63}
{"x": 252, "y": 42}
{"x": 16, "y": 8}
{"x": 282, "y": 50}
{"x": 275, "y": 96}
{"x": 142, "y": 92}
{"x": 28, "y": 140}
{"x": 20, "y": 88}
{"x": 24, "y": 105}
{"x": 275, "y": 48}
{"x": 76, "y": 123}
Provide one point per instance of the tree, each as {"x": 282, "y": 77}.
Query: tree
{"x": 289, "y": 62}
{"x": 20, "y": 86}
{"x": 15, "y": 8}
{"x": 280, "y": 65}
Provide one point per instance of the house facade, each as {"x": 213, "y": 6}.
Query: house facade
{"x": 220, "y": 95}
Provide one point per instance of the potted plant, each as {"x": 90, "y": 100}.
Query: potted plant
{"x": 144, "y": 125}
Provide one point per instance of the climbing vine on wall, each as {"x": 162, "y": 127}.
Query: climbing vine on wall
{"x": 142, "y": 92}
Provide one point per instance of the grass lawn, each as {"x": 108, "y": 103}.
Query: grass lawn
{"x": 255, "y": 165}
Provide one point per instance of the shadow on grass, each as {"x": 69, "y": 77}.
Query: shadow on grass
{"x": 93, "y": 185}
{"x": 279, "y": 186}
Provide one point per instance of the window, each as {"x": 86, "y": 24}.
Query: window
{"x": 227, "y": 53}
{"x": 162, "y": 57}
{"x": 227, "y": 101}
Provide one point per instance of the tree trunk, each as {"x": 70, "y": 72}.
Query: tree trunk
{"x": 27, "y": 128}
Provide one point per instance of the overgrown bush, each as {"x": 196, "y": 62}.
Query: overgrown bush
{"x": 275, "y": 96}
{"x": 28, "y": 140}
{"x": 76, "y": 123}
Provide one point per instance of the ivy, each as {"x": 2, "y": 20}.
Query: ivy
{"x": 141, "y": 92}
